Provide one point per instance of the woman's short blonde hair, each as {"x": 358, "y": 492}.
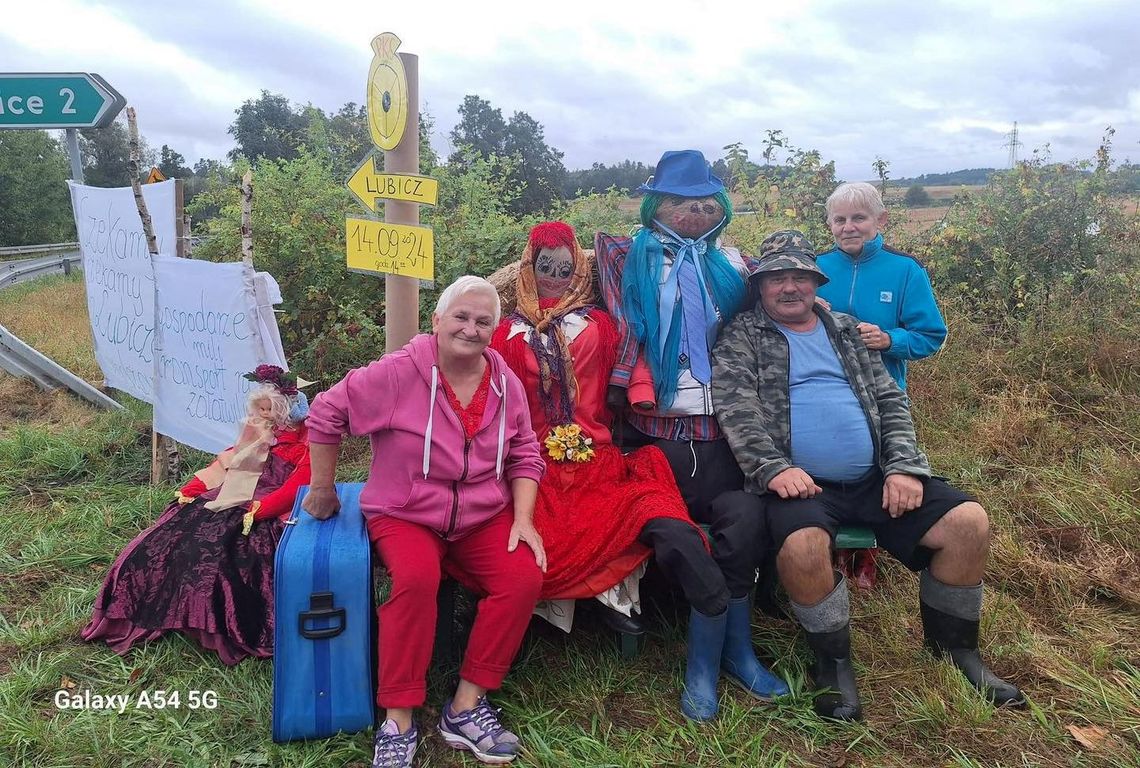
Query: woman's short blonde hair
{"x": 857, "y": 193}
{"x": 468, "y": 284}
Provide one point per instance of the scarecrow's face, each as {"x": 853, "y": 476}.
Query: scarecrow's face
{"x": 553, "y": 268}
{"x": 690, "y": 216}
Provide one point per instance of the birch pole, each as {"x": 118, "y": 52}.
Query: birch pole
{"x": 180, "y": 234}
{"x": 164, "y": 459}
{"x": 246, "y": 218}
{"x": 136, "y": 185}
{"x": 248, "y": 275}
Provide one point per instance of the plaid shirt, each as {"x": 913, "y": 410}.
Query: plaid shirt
{"x": 610, "y": 253}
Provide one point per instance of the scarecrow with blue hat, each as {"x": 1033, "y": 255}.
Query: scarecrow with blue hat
{"x": 671, "y": 288}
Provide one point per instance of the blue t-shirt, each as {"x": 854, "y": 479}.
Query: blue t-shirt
{"x": 831, "y": 438}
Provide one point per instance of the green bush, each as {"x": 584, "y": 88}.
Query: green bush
{"x": 1039, "y": 233}
{"x": 599, "y": 212}
{"x": 332, "y": 318}
{"x": 791, "y": 195}
{"x": 474, "y": 231}
{"x": 916, "y": 196}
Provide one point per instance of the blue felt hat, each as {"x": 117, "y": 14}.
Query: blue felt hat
{"x": 684, "y": 173}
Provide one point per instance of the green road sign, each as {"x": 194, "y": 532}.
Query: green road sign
{"x": 57, "y": 100}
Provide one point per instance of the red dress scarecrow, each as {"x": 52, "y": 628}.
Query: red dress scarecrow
{"x": 593, "y": 501}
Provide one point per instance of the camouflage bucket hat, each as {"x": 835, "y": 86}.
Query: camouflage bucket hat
{"x": 788, "y": 249}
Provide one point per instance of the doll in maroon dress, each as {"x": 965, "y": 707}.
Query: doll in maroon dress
{"x": 205, "y": 568}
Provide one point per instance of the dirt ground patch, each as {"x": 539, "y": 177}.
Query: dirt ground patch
{"x": 1112, "y": 569}
{"x": 628, "y": 710}
{"x": 22, "y": 402}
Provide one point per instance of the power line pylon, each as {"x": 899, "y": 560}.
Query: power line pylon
{"x": 1013, "y": 144}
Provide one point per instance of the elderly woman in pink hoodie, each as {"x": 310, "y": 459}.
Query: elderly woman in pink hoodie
{"x": 455, "y": 471}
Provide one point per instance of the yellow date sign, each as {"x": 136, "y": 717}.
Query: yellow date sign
{"x": 394, "y": 249}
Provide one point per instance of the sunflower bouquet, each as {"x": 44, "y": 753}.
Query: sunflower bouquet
{"x": 567, "y": 443}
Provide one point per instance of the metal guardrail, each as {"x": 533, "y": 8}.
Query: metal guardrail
{"x": 29, "y": 269}
{"x": 19, "y": 359}
{"x": 19, "y": 250}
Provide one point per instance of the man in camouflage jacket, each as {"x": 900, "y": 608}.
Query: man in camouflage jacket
{"x": 824, "y": 438}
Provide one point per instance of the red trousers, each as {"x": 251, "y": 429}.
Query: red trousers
{"x": 416, "y": 558}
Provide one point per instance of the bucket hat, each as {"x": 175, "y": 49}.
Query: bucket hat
{"x": 684, "y": 173}
{"x": 788, "y": 249}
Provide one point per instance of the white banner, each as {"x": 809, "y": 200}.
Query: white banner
{"x": 120, "y": 283}
{"x": 215, "y": 324}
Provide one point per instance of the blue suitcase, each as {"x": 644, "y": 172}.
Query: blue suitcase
{"x": 323, "y": 656}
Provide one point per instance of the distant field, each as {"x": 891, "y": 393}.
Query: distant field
{"x": 910, "y": 220}
{"x": 916, "y": 219}
{"x": 50, "y": 314}
{"x": 938, "y": 194}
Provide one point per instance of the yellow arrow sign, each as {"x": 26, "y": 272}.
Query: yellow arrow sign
{"x": 368, "y": 185}
{"x": 395, "y": 249}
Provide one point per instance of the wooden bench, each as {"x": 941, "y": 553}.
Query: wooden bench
{"x": 855, "y": 537}
{"x": 848, "y": 537}
{"x": 629, "y": 645}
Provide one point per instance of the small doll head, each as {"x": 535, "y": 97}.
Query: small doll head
{"x": 266, "y": 405}
{"x": 275, "y": 400}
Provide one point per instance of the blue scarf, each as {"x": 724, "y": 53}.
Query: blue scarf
{"x": 652, "y": 309}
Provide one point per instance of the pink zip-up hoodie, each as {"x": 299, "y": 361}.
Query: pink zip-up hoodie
{"x": 423, "y": 468}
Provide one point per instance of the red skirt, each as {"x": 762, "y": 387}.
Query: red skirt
{"x": 590, "y": 514}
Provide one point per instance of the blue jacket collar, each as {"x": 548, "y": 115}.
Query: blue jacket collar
{"x": 870, "y": 250}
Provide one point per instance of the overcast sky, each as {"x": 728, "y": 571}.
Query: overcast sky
{"x": 930, "y": 87}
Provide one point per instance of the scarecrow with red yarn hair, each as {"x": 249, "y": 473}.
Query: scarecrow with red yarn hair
{"x": 593, "y": 502}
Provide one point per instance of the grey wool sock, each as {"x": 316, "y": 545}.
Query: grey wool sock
{"x": 829, "y": 614}
{"x": 961, "y": 602}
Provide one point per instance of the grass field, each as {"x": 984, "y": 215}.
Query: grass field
{"x": 909, "y": 220}
{"x": 1044, "y": 428}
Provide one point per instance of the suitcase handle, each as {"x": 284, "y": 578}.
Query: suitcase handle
{"x": 321, "y": 607}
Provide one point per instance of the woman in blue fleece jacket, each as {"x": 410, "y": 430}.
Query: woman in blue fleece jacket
{"x": 888, "y": 292}
{"x": 886, "y": 289}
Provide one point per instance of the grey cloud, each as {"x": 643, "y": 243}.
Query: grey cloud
{"x": 854, "y": 81}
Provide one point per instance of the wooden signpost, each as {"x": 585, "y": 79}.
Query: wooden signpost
{"x": 396, "y": 247}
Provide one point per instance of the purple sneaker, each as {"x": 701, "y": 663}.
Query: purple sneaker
{"x": 392, "y": 749}
{"x": 479, "y": 730}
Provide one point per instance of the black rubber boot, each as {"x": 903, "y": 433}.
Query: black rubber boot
{"x": 957, "y": 639}
{"x": 833, "y": 670}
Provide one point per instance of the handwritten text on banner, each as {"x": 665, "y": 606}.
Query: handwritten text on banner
{"x": 119, "y": 277}
{"x": 211, "y": 332}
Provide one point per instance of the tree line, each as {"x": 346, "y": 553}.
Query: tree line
{"x": 33, "y": 164}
